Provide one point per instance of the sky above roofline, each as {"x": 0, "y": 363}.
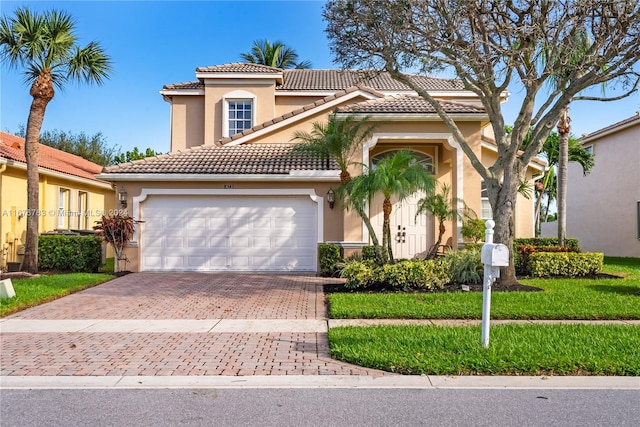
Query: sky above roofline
{"x": 154, "y": 43}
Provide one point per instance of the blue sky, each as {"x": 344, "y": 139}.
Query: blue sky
{"x": 153, "y": 43}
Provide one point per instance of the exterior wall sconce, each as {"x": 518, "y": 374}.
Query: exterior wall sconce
{"x": 331, "y": 198}
{"x": 122, "y": 198}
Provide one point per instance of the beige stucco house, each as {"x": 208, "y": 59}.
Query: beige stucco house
{"x": 231, "y": 197}
{"x": 603, "y": 208}
{"x": 71, "y": 197}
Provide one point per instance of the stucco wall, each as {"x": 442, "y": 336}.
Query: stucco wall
{"x": 187, "y": 122}
{"x": 13, "y": 206}
{"x": 602, "y": 206}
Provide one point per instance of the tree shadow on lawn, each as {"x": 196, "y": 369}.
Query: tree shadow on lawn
{"x": 617, "y": 289}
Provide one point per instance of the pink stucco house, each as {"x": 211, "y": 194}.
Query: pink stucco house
{"x": 231, "y": 197}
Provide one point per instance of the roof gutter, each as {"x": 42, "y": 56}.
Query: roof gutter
{"x": 312, "y": 176}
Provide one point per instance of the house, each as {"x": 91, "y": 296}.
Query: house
{"x": 71, "y": 197}
{"x": 603, "y": 208}
{"x": 230, "y": 196}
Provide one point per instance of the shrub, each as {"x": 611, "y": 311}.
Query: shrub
{"x": 523, "y": 256}
{"x": 473, "y": 229}
{"x": 465, "y": 267}
{"x": 406, "y": 275}
{"x": 566, "y": 264}
{"x": 536, "y": 242}
{"x": 368, "y": 253}
{"x": 473, "y": 246}
{"x": 69, "y": 253}
{"x": 358, "y": 274}
{"x": 329, "y": 259}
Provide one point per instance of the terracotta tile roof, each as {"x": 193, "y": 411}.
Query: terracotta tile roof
{"x": 269, "y": 159}
{"x": 185, "y": 85}
{"x": 407, "y": 104}
{"x": 12, "y": 148}
{"x": 301, "y": 110}
{"x": 324, "y": 80}
{"x": 239, "y": 67}
{"x": 341, "y": 79}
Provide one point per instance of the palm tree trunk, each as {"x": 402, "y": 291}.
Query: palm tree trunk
{"x": 386, "y": 230}
{"x": 564, "y": 128}
{"x": 42, "y": 92}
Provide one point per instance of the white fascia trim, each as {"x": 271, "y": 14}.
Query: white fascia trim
{"x": 595, "y": 135}
{"x": 321, "y": 93}
{"x": 297, "y": 117}
{"x": 407, "y": 117}
{"x": 56, "y": 174}
{"x": 434, "y": 93}
{"x": 366, "y": 148}
{"x": 182, "y": 92}
{"x": 234, "y": 76}
{"x": 317, "y": 176}
{"x": 494, "y": 148}
{"x": 146, "y": 192}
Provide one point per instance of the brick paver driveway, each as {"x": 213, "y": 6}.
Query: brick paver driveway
{"x": 171, "y": 298}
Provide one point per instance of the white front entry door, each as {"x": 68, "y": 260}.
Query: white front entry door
{"x": 228, "y": 233}
{"x": 410, "y": 235}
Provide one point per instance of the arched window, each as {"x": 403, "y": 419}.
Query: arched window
{"x": 424, "y": 159}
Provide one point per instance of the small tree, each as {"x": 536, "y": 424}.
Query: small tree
{"x": 473, "y": 229}
{"x": 444, "y": 208}
{"x": 117, "y": 231}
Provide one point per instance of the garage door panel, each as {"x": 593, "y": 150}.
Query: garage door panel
{"x": 209, "y": 233}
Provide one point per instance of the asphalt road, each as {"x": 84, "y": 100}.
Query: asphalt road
{"x": 319, "y": 407}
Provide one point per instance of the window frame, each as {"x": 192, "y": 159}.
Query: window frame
{"x": 83, "y": 213}
{"x": 64, "y": 207}
{"x": 484, "y": 201}
{"x": 235, "y": 96}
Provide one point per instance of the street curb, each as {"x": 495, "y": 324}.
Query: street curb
{"x": 320, "y": 381}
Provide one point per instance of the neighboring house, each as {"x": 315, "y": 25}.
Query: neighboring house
{"x": 603, "y": 208}
{"x": 231, "y": 197}
{"x": 71, "y": 197}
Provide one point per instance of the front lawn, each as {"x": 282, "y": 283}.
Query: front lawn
{"x": 38, "y": 290}
{"x": 562, "y": 299}
{"x": 514, "y": 349}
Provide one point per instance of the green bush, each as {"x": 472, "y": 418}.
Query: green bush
{"x": 329, "y": 259}
{"x": 565, "y": 264}
{"x": 523, "y": 256}
{"x": 69, "y": 253}
{"x": 358, "y": 274}
{"x": 368, "y": 253}
{"x": 473, "y": 246}
{"x": 473, "y": 229}
{"x": 406, "y": 275}
{"x": 465, "y": 267}
{"x": 536, "y": 242}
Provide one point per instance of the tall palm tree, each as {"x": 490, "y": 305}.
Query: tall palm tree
{"x": 277, "y": 55}
{"x": 338, "y": 139}
{"x": 45, "y": 45}
{"x": 444, "y": 208}
{"x": 397, "y": 175}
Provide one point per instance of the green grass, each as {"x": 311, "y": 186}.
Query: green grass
{"x": 38, "y": 290}
{"x": 514, "y": 349}
{"x": 562, "y": 299}
{"x": 108, "y": 266}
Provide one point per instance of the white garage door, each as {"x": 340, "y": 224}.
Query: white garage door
{"x": 228, "y": 233}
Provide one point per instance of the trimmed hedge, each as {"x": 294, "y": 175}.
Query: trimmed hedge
{"x": 69, "y": 253}
{"x": 567, "y": 264}
{"x": 329, "y": 257}
{"x": 536, "y": 242}
{"x": 405, "y": 275}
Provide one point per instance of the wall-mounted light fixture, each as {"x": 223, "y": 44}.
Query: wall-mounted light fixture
{"x": 122, "y": 198}
{"x": 331, "y": 198}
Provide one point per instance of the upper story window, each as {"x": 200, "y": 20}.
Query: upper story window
{"x": 239, "y": 112}
{"x": 589, "y": 149}
{"x": 240, "y": 115}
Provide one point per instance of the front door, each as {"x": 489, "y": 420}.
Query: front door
{"x": 410, "y": 235}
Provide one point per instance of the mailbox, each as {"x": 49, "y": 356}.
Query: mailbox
{"x": 495, "y": 255}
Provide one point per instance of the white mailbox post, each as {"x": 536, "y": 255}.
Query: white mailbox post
{"x": 494, "y": 256}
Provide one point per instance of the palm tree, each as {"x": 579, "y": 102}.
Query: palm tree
{"x": 338, "y": 139}
{"x": 397, "y": 175}
{"x": 444, "y": 208}
{"x": 277, "y": 55}
{"x": 45, "y": 45}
